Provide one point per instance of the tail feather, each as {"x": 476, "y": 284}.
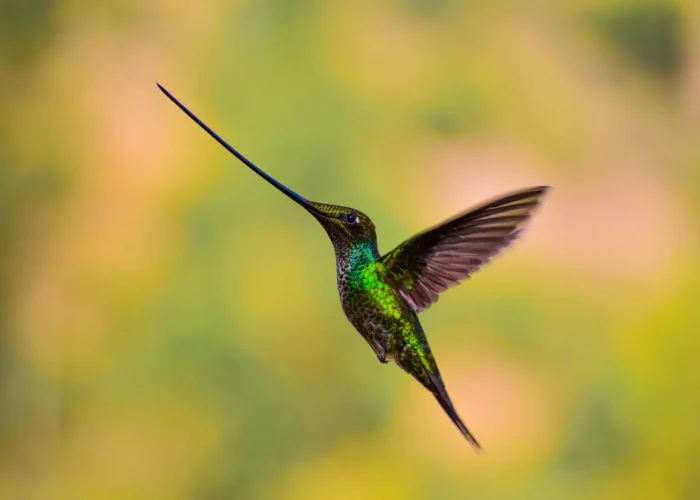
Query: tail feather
{"x": 418, "y": 361}
{"x": 440, "y": 394}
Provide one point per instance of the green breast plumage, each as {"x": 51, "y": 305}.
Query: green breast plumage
{"x": 375, "y": 308}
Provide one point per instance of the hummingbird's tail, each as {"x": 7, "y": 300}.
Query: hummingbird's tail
{"x": 440, "y": 393}
{"x": 416, "y": 359}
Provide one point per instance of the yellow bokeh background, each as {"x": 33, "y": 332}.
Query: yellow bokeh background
{"x": 169, "y": 323}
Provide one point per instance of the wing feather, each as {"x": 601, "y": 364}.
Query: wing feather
{"x": 435, "y": 260}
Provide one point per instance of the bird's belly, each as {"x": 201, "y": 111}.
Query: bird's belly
{"x": 380, "y": 325}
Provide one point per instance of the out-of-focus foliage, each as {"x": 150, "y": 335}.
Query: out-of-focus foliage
{"x": 169, "y": 323}
{"x": 649, "y": 33}
{"x": 25, "y": 29}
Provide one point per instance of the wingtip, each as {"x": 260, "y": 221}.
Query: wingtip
{"x": 546, "y": 190}
{"x": 539, "y": 191}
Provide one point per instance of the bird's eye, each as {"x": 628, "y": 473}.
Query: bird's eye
{"x": 351, "y": 218}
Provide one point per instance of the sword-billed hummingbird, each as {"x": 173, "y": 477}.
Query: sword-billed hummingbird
{"x": 382, "y": 294}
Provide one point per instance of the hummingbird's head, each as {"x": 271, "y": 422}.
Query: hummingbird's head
{"x": 344, "y": 225}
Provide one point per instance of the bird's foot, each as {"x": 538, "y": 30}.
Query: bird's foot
{"x": 380, "y": 351}
{"x": 381, "y": 354}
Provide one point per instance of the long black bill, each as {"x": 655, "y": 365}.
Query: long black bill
{"x": 296, "y": 197}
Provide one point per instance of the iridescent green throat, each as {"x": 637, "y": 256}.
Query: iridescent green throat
{"x": 362, "y": 256}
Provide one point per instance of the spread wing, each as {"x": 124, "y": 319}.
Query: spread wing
{"x": 430, "y": 262}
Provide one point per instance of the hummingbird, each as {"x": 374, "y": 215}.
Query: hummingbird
{"x": 381, "y": 295}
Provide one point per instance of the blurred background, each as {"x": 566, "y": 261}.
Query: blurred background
{"x": 170, "y": 325}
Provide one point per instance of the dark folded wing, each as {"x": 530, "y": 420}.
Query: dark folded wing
{"x": 429, "y": 263}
